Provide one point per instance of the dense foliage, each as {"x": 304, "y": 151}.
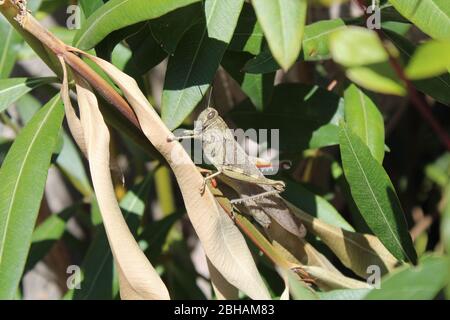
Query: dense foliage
{"x": 360, "y": 95}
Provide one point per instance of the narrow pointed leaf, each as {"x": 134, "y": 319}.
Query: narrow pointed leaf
{"x": 9, "y": 47}
{"x": 422, "y": 282}
{"x": 222, "y": 288}
{"x": 90, "y": 6}
{"x": 431, "y": 16}
{"x": 192, "y": 67}
{"x": 189, "y": 73}
{"x": 117, "y": 14}
{"x": 316, "y": 40}
{"x": 258, "y": 87}
{"x": 70, "y": 163}
{"x": 315, "y": 205}
{"x": 283, "y": 23}
{"x": 364, "y": 119}
{"x": 344, "y": 294}
{"x": 13, "y": 88}
{"x": 222, "y": 17}
{"x": 375, "y": 196}
{"x": 357, "y": 251}
{"x": 298, "y": 289}
{"x": 23, "y": 175}
{"x": 47, "y": 234}
{"x": 98, "y": 265}
{"x": 430, "y": 59}
{"x": 169, "y": 29}
{"x": 248, "y": 35}
{"x": 356, "y": 47}
{"x": 379, "y": 77}
{"x": 137, "y": 277}
{"x": 445, "y": 222}
{"x": 264, "y": 62}
{"x": 331, "y": 280}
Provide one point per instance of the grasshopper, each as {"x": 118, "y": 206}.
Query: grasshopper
{"x": 226, "y": 155}
{"x": 240, "y": 171}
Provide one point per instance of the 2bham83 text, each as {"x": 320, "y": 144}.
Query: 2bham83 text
{"x": 226, "y": 309}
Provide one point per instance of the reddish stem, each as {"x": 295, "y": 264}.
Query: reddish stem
{"x": 418, "y": 101}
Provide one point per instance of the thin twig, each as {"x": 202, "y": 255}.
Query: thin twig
{"x": 59, "y": 48}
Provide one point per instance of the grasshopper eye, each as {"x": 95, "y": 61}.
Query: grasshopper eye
{"x": 211, "y": 115}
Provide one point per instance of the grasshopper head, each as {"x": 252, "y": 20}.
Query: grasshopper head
{"x": 208, "y": 117}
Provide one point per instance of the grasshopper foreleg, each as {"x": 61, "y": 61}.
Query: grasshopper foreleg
{"x": 187, "y": 134}
{"x": 211, "y": 176}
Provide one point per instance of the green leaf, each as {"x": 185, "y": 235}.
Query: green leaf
{"x": 365, "y": 120}
{"x": 356, "y": 47}
{"x": 34, "y": 5}
{"x": 70, "y": 163}
{"x": 438, "y": 171}
{"x": 283, "y": 23}
{"x": 192, "y": 67}
{"x": 97, "y": 271}
{"x": 27, "y": 106}
{"x": 378, "y": 77}
{"x": 317, "y": 36}
{"x": 47, "y": 234}
{"x": 430, "y": 59}
{"x": 189, "y": 73}
{"x": 258, "y": 87}
{"x": 23, "y": 175}
{"x": 361, "y": 51}
{"x": 222, "y": 17}
{"x": 68, "y": 160}
{"x": 298, "y": 289}
{"x": 438, "y": 87}
{"x": 5, "y": 145}
{"x": 315, "y": 205}
{"x": 422, "y": 282}
{"x": 169, "y": 29}
{"x": 146, "y": 52}
{"x": 117, "y": 14}
{"x": 445, "y": 222}
{"x": 356, "y": 251}
{"x": 182, "y": 274}
{"x": 248, "y": 35}
{"x": 375, "y": 196}
{"x": 303, "y": 115}
{"x": 13, "y": 88}
{"x": 9, "y": 47}
{"x": 155, "y": 234}
{"x": 90, "y": 6}
{"x": 264, "y": 62}
{"x": 98, "y": 267}
{"x": 431, "y": 16}
{"x": 344, "y": 294}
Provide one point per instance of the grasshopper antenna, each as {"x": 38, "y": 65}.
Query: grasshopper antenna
{"x": 210, "y": 96}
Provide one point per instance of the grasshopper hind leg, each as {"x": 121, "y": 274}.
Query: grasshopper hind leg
{"x": 255, "y": 197}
